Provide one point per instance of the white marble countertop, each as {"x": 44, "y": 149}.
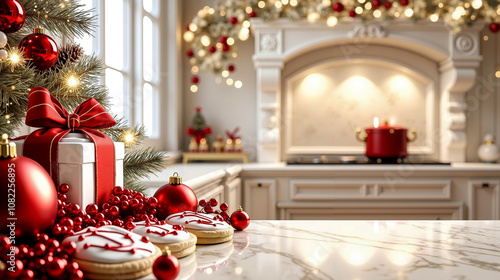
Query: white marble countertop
{"x": 353, "y": 250}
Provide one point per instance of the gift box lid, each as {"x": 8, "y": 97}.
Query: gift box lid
{"x": 76, "y": 148}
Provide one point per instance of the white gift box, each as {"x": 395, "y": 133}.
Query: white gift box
{"x": 76, "y": 166}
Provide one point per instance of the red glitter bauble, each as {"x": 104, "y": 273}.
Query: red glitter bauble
{"x": 352, "y": 14}
{"x": 12, "y": 16}
{"x": 40, "y": 49}
{"x": 233, "y": 20}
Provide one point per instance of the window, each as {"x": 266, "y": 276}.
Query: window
{"x": 127, "y": 40}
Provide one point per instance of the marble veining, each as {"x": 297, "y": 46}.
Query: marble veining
{"x": 354, "y": 250}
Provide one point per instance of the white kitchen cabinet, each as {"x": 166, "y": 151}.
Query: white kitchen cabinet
{"x": 260, "y": 198}
{"x": 385, "y": 192}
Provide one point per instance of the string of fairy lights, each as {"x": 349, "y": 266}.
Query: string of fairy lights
{"x": 213, "y": 33}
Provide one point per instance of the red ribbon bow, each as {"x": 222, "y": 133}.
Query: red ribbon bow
{"x": 44, "y": 110}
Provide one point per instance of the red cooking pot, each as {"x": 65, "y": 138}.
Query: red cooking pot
{"x": 386, "y": 141}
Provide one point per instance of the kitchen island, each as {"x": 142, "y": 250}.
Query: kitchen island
{"x": 454, "y": 250}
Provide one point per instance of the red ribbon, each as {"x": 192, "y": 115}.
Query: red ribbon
{"x": 44, "y": 110}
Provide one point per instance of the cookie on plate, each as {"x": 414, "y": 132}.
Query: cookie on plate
{"x": 111, "y": 252}
{"x": 209, "y": 229}
{"x": 180, "y": 242}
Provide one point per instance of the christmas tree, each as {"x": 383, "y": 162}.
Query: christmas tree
{"x": 73, "y": 79}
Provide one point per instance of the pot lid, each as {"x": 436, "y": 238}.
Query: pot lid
{"x": 386, "y": 126}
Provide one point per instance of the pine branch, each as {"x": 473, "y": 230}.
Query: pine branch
{"x": 140, "y": 163}
{"x": 134, "y": 185}
{"x": 62, "y": 18}
{"x": 121, "y": 130}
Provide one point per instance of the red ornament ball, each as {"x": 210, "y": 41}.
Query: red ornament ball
{"x": 231, "y": 68}
{"x": 226, "y": 48}
{"x": 494, "y": 27}
{"x": 233, "y": 20}
{"x": 376, "y": 4}
{"x": 239, "y": 219}
{"x": 252, "y": 14}
{"x": 35, "y": 203}
{"x": 338, "y": 7}
{"x": 404, "y": 3}
{"x": 12, "y": 16}
{"x": 175, "y": 197}
{"x": 352, "y": 13}
{"x": 387, "y": 4}
{"x": 40, "y": 49}
{"x": 166, "y": 267}
{"x": 212, "y": 49}
{"x": 223, "y": 39}
{"x": 190, "y": 53}
{"x": 195, "y": 79}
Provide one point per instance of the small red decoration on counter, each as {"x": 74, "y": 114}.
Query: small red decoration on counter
{"x": 175, "y": 197}
{"x": 30, "y": 205}
{"x": 166, "y": 267}
{"x": 239, "y": 219}
{"x": 198, "y": 128}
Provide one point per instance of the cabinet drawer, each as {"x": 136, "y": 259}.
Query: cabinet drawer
{"x": 377, "y": 189}
{"x": 446, "y": 210}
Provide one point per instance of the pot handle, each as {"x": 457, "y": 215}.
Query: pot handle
{"x": 360, "y": 137}
{"x": 413, "y": 136}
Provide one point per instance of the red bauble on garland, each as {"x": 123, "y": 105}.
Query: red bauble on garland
{"x": 494, "y": 27}
{"x": 376, "y": 4}
{"x": 338, "y": 7}
{"x": 166, "y": 267}
{"x": 40, "y": 49}
{"x": 12, "y": 16}
{"x": 175, "y": 197}
{"x": 352, "y": 13}
{"x": 404, "y": 3}
{"x": 29, "y": 192}
{"x": 239, "y": 219}
{"x": 387, "y": 4}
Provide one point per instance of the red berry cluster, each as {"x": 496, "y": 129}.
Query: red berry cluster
{"x": 123, "y": 208}
{"x": 208, "y": 208}
{"x": 47, "y": 259}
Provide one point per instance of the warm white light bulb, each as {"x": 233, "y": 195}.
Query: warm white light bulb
{"x": 476, "y": 4}
{"x": 72, "y": 81}
{"x": 434, "y": 17}
{"x": 205, "y": 40}
{"x": 188, "y": 36}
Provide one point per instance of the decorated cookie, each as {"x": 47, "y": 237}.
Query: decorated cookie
{"x": 209, "y": 229}
{"x": 174, "y": 237}
{"x": 111, "y": 252}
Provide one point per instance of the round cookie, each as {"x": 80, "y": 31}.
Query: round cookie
{"x": 111, "y": 252}
{"x": 180, "y": 242}
{"x": 209, "y": 229}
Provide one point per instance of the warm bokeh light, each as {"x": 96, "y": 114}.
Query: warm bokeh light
{"x": 188, "y": 36}
{"x": 194, "y": 88}
{"x": 332, "y": 21}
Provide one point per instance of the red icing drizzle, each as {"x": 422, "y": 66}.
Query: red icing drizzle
{"x": 114, "y": 245}
{"x": 200, "y": 219}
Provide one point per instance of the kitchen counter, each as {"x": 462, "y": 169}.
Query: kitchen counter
{"x": 360, "y": 250}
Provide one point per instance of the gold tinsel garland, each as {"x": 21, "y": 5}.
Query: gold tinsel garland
{"x": 214, "y": 31}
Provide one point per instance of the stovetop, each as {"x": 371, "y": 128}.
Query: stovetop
{"x": 360, "y": 160}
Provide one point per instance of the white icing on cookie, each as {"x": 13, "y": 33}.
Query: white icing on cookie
{"x": 197, "y": 221}
{"x": 159, "y": 233}
{"x": 110, "y": 244}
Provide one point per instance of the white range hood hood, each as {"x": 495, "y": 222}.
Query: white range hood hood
{"x": 439, "y": 67}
